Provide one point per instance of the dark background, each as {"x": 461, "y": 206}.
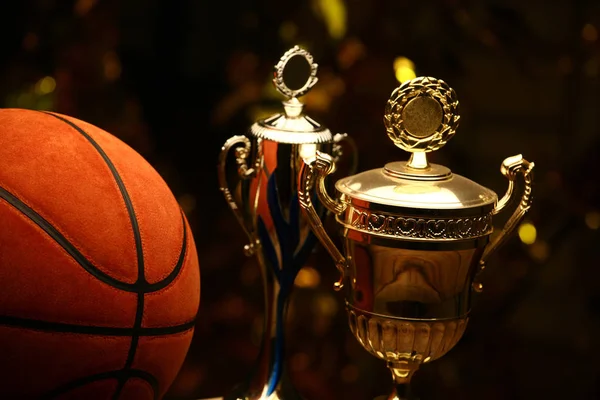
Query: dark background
{"x": 175, "y": 79}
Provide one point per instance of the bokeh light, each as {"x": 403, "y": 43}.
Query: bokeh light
{"x": 592, "y": 220}
{"x": 404, "y": 69}
{"x": 308, "y": 277}
{"x": 589, "y": 33}
{"x": 527, "y": 233}
{"x": 46, "y": 85}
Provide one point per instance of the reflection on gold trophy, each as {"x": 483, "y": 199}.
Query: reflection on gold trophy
{"x": 415, "y": 234}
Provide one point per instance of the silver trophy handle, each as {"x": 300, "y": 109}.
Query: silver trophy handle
{"x": 338, "y": 152}
{"x": 244, "y": 172}
{"x": 312, "y": 175}
{"x": 511, "y": 168}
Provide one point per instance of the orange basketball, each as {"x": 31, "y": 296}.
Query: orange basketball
{"x": 99, "y": 277}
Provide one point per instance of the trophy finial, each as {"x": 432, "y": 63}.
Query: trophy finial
{"x": 421, "y": 116}
{"x": 295, "y": 73}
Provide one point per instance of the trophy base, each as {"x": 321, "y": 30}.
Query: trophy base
{"x": 250, "y": 391}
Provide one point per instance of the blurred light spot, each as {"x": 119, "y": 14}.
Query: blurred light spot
{"x": 300, "y": 362}
{"x": 590, "y": 68}
{"x": 565, "y": 65}
{"x": 334, "y": 14}
{"x": 589, "y": 33}
{"x": 350, "y": 52}
{"x": 325, "y": 304}
{"x": 527, "y": 233}
{"x": 112, "y": 66}
{"x": 45, "y": 103}
{"x": 26, "y": 100}
{"x": 488, "y": 38}
{"x": 249, "y": 274}
{"x": 427, "y": 359}
{"x": 288, "y": 31}
{"x": 82, "y": 7}
{"x": 187, "y": 203}
{"x": 349, "y": 373}
{"x": 45, "y": 85}
{"x": 308, "y": 277}
{"x": 592, "y": 220}
{"x": 404, "y": 69}
{"x": 539, "y": 250}
{"x": 318, "y": 99}
{"x": 30, "y": 41}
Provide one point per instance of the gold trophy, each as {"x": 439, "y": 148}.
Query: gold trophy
{"x": 265, "y": 203}
{"x": 415, "y": 235}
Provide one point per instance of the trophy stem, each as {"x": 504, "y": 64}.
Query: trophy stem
{"x": 270, "y": 380}
{"x": 402, "y": 373}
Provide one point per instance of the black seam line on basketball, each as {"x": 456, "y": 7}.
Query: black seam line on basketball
{"x": 59, "y": 327}
{"x": 153, "y": 287}
{"x": 135, "y": 337}
{"x": 131, "y": 373}
{"x": 134, "y": 344}
{"x": 124, "y": 194}
{"x": 84, "y": 262}
{"x": 64, "y": 243}
{"x": 141, "y": 286}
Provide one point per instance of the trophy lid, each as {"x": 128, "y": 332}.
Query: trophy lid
{"x": 420, "y": 116}
{"x": 294, "y": 75}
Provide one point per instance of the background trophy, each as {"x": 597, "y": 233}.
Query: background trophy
{"x": 265, "y": 202}
{"x": 415, "y": 234}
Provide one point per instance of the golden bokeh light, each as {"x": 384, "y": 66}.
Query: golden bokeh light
{"x": 308, "y": 278}
{"x": 82, "y": 7}
{"x": 334, "y": 14}
{"x": 592, "y": 220}
{"x": 112, "y": 66}
{"x": 288, "y": 31}
{"x": 589, "y": 33}
{"x": 325, "y": 305}
{"x": 46, "y": 85}
{"x": 539, "y": 250}
{"x": 404, "y": 69}
{"x": 527, "y": 233}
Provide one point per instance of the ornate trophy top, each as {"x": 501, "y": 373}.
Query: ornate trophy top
{"x": 420, "y": 116}
{"x": 294, "y": 75}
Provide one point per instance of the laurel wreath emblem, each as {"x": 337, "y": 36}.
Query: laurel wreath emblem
{"x": 422, "y": 86}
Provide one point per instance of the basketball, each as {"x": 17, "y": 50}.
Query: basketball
{"x": 99, "y": 276}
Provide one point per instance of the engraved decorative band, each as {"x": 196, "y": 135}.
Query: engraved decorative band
{"x": 418, "y": 228}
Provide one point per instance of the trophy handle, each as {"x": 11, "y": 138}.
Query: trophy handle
{"x": 312, "y": 175}
{"x": 338, "y": 152}
{"x": 511, "y": 167}
{"x": 244, "y": 172}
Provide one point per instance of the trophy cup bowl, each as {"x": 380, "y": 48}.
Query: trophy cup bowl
{"x": 415, "y": 235}
{"x": 265, "y": 202}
